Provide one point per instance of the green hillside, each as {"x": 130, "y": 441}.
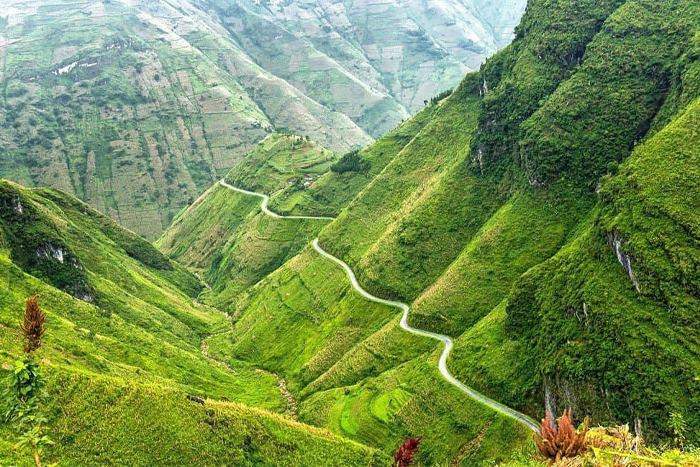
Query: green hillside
{"x": 542, "y": 215}
{"x": 281, "y": 160}
{"x": 225, "y": 236}
{"x": 116, "y": 305}
{"x": 394, "y": 241}
{"x": 137, "y": 107}
{"x": 101, "y": 421}
{"x": 233, "y": 245}
{"x": 124, "y": 350}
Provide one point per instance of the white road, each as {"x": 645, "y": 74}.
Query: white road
{"x": 265, "y": 200}
{"x": 442, "y": 364}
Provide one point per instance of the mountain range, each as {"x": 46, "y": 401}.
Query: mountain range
{"x": 136, "y": 107}
{"x": 543, "y": 214}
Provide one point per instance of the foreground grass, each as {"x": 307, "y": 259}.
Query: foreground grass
{"x": 104, "y": 421}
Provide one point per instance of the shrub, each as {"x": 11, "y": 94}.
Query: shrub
{"x": 558, "y": 440}
{"x": 407, "y": 452}
{"x": 24, "y": 391}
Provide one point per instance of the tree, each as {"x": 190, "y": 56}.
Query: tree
{"x": 677, "y": 424}
{"x": 406, "y": 453}
{"x": 25, "y": 387}
{"x": 350, "y": 162}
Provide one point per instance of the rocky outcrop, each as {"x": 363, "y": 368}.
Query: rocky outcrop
{"x": 616, "y": 244}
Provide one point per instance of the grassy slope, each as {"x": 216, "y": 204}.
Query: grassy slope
{"x": 225, "y": 235}
{"x": 646, "y": 207}
{"x": 341, "y": 340}
{"x": 199, "y": 231}
{"x": 104, "y": 421}
{"x": 119, "y": 368}
{"x": 281, "y": 160}
{"x": 621, "y": 358}
{"x": 142, "y": 322}
{"x": 333, "y": 191}
{"x": 609, "y": 366}
{"x": 457, "y": 240}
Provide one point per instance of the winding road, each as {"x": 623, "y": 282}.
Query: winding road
{"x": 265, "y": 200}
{"x": 442, "y": 364}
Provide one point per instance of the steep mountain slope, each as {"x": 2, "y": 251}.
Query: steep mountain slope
{"x": 544, "y": 215}
{"x": 381, "y": 58}
{"x": 234, "y": 246}
{"x": 497, "y": 221}
{"x": 116, "y": 305}
{"x": 341, "y": 341}
{"x": 137, "y": 106}
{"x": 123, "y": 351}
{"x": 642, "y": 298}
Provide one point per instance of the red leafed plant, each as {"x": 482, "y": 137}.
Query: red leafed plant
{"x": 32, "y": 325}
{"x": 558, "y": 440}
{"x": 407, "y": 452}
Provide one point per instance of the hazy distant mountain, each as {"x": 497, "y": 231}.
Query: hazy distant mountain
{"x": 138, "y": 106}
{"x": 374, "y": 60}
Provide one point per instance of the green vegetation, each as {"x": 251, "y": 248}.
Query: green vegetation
{"x": 126, "y": 373}
{"x": 356, "y": 372}
{"x": 105, "y": 421}
{"x": 507, "y": 222}
{"x": 544, "y": 215}
{"x": 24, "y": 393}
{"x": 614, "y": 446}
{"x": 334, "y": 191}
{"x": 104, "y": 103}
{"x": 140, "y": 322}
{"x": 282, "y": 166}
{"x": 350, "y": 162}
{"x": 225, "y": 235}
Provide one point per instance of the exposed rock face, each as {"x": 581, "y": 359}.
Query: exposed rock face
{"x": 18, "y": 205}
{"x": 625, "y": 260}
{"x": 58, "y": 253}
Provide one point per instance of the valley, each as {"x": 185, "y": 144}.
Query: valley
{"x": 385, "y": 242}
{"x": 404, "y": 317}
